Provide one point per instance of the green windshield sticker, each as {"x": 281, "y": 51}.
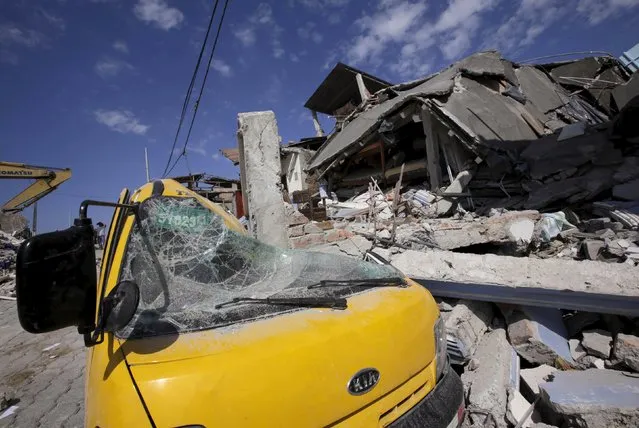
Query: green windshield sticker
{"x": 183, "y": 219}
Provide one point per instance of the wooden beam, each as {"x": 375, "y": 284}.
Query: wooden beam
{"x": 432, "y": 149}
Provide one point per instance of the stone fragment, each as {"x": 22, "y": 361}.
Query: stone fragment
{"x": 576, "y": 350}
{"x": 355, "y": 246}
{"x": 627, "y": 349}
{"x": 518, "y": 406}
{"x": 597, "y": 343}
{"x": 531, "y": 378}
{"x": 591, "y": 248}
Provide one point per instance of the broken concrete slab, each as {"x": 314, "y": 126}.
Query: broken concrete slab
{"x": 309, "y": 240}
{"x": 487, "y": 386}
{"x": 465, "y": 326}
{"x": 627, "y": 349}
{"x": 597, "y": 343}
{"x": 531, "y": 378}
{"x": 539, "y": 335}
{"x": 569, "y": 284}
{"x": 355, "y": 246}
{"x": 514, "y": 226}
{"x": 576, "y": 350}
{"x": 591, "y": 248}
{"x": 259, "y": 148}
{"x": 592, "y": 398}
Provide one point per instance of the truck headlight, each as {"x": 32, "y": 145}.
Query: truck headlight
{"x": 440, "y": 347}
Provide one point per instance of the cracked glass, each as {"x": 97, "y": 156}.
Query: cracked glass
{"x": 185, "y": 260}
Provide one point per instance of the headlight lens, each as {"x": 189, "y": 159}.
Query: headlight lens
{"x": 440, "y": 347}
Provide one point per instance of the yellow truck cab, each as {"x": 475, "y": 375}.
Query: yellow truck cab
{"x": 192, "y": 323}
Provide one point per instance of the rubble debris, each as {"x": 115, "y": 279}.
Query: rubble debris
{"x": 538, "y": 334}
{"x": 597, "y": 343}
{"x": 8, "y": 250}
{"x": 259, "y": 146}
{"x": 591, "y": 398}
{"x": 576, "y": 350}
{"x": 626, "y": 349}
{"x": 586, "y": 285}
{"x": 487, "y": 386}
{"x": 465, "y": 326}
{"x": 531, "y": 378}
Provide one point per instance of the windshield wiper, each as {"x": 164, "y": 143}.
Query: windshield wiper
{"x": 375, "y": 282}
{"x": 310, "y": 302}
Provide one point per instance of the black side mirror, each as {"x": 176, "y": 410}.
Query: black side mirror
{"x": 56, "y": 280}
{"x": 120, "y": 305}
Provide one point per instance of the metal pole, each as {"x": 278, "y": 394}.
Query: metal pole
{"x": 146, "y": 161}
{"x": 34, "y": 223}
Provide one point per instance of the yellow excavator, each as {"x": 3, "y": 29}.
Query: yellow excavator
{"x": 46, "y": 181}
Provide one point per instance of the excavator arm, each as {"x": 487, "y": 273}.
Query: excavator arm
{"x": 46, "y": 181}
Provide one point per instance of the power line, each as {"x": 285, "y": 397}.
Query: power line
{"x": 199, "y": 98}
{"x": 189, "y": 90}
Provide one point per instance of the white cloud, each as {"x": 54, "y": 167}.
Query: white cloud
{"x": 261, "y": 20}
{"x": 390, "y": 23}
{"x": 122, "y": 121}
{"x": 222, "y": 67}
{"x": 245, "y": 35}
{"x": 294, "y": 58}
{"x": 121, "y": 46}
{"x": 598, "y": 10}
{"x": 309, "y": 32}
{"x": 216, "y": 156}
{"x": 11, "y": 34}
{"x": 110, "y": 67}
{"x": 158, "y": 13}
{"x": 53, "y": 20}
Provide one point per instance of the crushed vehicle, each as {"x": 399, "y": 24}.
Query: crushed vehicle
{"x": 193, "y": 323}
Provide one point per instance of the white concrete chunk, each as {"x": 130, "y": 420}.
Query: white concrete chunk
{"x": 597, "y": 343}
{"x": 627, "y": 350}
{"x": 533, "y": 377}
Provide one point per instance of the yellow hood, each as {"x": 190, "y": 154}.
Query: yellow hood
{"x": 291, "y": 369}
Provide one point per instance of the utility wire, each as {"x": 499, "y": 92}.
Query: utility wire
{"x": 189, "y": 91}
{"x": 199, "y": 98}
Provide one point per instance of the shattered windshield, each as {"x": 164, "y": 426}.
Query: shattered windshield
{"x": 186, "y": 261}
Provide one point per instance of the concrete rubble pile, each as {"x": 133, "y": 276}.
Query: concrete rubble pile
{"x": 8, "y": 248}
{"x": 511, "y": 192}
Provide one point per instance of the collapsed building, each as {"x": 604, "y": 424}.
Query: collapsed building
{"x": 511, "y": 192}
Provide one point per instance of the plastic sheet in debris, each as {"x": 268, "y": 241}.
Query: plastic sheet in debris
{"x": 186, "y": 260}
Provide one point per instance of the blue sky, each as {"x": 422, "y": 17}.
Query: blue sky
{"x": 87, "y": 84}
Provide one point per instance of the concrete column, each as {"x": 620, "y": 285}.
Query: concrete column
{"x": 319, "y": 132}
{"x": 259, "y": 145}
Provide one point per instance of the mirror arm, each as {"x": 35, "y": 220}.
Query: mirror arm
{"x": 84, "y": 206}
